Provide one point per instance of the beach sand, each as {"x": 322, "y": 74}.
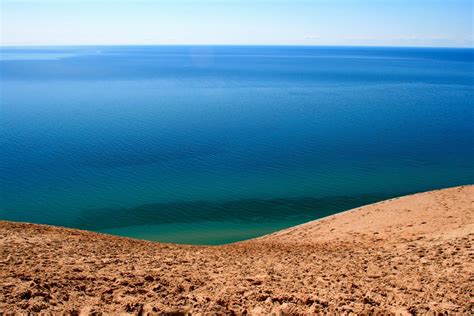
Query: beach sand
{"x": 407, "y": 255}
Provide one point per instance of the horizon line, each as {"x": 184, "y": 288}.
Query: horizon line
{"x": 230, "y": 45}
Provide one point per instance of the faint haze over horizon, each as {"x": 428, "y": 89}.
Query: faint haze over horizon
{"x": 423, "y": 23}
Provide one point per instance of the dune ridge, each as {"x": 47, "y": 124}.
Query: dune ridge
{"x": 403, "y": 256}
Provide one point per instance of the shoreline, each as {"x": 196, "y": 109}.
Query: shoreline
{"x": 382, "y": 257}
{"x": 336, "y": 215}
{"x": 277, "y": 232}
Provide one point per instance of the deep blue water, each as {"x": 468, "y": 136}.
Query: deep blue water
{"x": 218, "y": 144}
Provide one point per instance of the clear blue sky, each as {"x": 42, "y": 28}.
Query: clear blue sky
{"x": 290, "y": 22}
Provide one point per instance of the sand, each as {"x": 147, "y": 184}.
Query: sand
{"x": 406, "y": 255}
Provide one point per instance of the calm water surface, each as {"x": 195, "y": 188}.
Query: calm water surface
{"x": 210, "y": 145}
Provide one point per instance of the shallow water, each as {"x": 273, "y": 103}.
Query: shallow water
{"x": 217, "y": 144}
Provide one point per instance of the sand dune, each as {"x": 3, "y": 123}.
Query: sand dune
{"x": 407, "y": 255}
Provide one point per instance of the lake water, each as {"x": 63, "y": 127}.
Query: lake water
{"x": 209, "y": 145}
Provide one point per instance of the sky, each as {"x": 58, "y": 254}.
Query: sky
{"x": 434, "y": 23}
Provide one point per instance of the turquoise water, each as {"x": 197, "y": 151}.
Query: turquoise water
{"x": 210, "y": 145}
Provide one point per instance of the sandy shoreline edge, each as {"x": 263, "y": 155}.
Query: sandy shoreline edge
{"x": 403, "y": 255}
{"x": 266, "y": 236}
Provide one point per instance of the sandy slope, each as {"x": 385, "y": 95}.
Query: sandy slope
{"x": 411, "y": 254}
